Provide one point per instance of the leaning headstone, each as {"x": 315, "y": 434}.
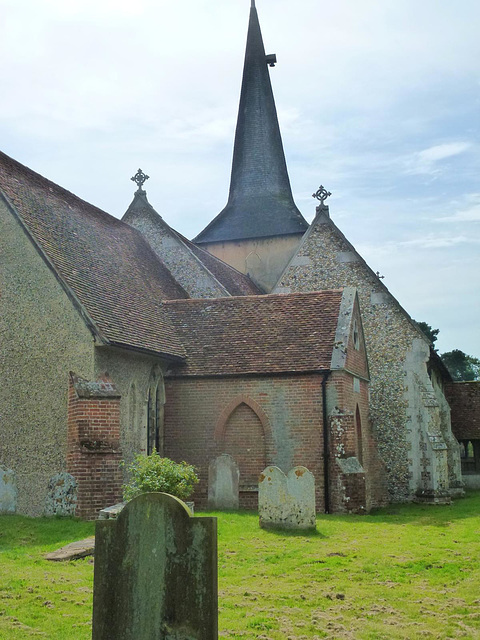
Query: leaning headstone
{"x": 287, "y": 501}
{"x": 61, "y": 499}
{"x": 111, "y": 512}
{"x": 223, "y": 477}
{"x": 73, "y": 551}
{"x": 8, "y": 491}
{"x": 155, "y": 573}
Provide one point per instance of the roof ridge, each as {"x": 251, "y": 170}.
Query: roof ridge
{"x": 38, "y": 177}
{"x": 270, "y": 296}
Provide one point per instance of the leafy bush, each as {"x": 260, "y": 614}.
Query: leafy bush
{"x": 154, "y": 473}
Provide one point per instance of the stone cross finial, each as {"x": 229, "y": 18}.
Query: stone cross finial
{"x": 140, "y": 178}
{"x": 322, "y": 194}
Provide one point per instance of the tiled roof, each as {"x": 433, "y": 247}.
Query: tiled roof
{"x": 257, "y": 334}
{"x": 106, "y": 263}
{"x": 236, "y": 283}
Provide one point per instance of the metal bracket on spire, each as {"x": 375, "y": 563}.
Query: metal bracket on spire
{"x": 271, "y": 59}
{"x": 140, "y": 178}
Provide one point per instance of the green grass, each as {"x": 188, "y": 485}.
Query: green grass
{"x": 408, "y": 572}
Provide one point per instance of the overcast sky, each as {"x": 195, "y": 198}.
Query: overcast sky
{"x": 378, "y": 100}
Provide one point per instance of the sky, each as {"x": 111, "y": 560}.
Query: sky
{"x": 377, "y": 100}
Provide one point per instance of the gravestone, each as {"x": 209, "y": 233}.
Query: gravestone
{"x": 287, "y": 501}
{"x": 155, "y": 573}
{"x": 61, "y": 499}
{"x": 8, "y": 491}
{"x": 223, "y": 478}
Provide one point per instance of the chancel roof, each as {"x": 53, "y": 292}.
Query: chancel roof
{"x": 106, "y": 265}
{"x": 260, "y": 202}
{"x": 283, "y": 333}
{"x": 236, "y": 283}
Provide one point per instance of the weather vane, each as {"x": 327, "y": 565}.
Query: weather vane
{"x": 140, "y": 178}
{"x": 322, "y": 194}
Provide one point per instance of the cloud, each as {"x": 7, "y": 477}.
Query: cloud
{"x": 425, "y": 161}
{"x": 469, "y": 213}
{"x": 435, "y": 241}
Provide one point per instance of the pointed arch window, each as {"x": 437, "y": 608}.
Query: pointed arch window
{"x": 155, "y": 412}
{"x": 358, "y": 435}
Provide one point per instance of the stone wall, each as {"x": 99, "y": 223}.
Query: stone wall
{"x": 405, "y": 421}
{"x": 42, "y": 338}
{"x": 133, "y": 374}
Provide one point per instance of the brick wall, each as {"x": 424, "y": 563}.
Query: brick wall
{"x": 278, "y": 421}
{"x": 356, "y": 486}
{"x": 93, "y": 444}
{"x": 259, "y": 420}
{"x": 464, "y": 400}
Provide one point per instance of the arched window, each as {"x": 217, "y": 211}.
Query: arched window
{"x": 356, "y": 335}
{"x": 155, "y": 411}
{"x": 359, "y": 437}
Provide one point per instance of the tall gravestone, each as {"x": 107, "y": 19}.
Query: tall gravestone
{"x": 287, "y": 501}
{"x": 155, "y": 573}
{"x": 8, "y": 491}
{"x": 223, "y": 479}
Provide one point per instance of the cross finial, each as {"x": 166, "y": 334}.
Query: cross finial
{"x": 322, "y": 194}
{"x": 140, "y": 178}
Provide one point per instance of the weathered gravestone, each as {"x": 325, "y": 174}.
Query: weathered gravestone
{"x": 155, "y": 573}
{"x": 61, "y": 498}
{"x": 287, "y": 501}
{"x": 8, "y": 491}
{"x": 223, "y": 477}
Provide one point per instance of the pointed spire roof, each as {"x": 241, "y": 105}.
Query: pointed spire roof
{"x": 260, "y": 202}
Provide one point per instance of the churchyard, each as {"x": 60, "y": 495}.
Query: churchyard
{"x": 406, "y": 571}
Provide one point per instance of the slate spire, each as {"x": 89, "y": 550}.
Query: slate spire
{"x": 260, "y": 202}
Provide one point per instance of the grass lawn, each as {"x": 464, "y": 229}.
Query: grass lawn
{"x": 408, "y": 571}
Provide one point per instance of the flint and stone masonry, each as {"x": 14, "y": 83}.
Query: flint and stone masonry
{"x": 410, "y": 418}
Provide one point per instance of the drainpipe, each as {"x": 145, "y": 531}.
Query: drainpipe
{"x": 326, "y": 444}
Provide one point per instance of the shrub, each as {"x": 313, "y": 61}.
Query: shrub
{"x": 154, "y": 473}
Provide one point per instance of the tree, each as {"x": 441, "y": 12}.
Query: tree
{"x": 461, "y": 366}
{"x": 432, "y": 334}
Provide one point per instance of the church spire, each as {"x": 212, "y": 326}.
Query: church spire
{"x": 260, "y": 201}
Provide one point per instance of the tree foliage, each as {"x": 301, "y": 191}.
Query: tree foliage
{"x": 432, "y": 334}
{"x": 461, "y": 366}
{"x": 154, "y": 473}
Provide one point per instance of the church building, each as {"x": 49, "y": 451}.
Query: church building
{"x": 264, "y": 338}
